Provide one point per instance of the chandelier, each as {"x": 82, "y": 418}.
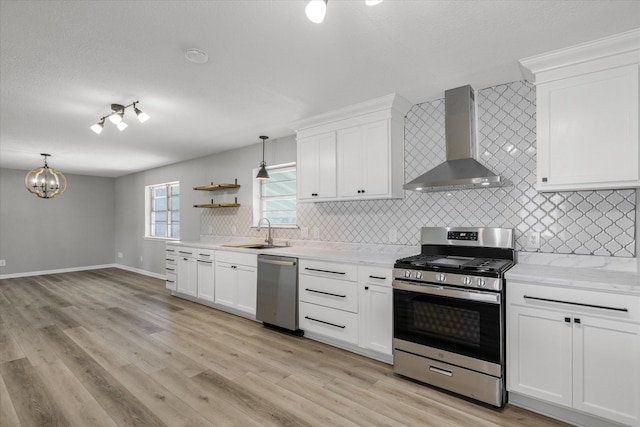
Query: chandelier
{"x": 45, "y": 182}
{"x": 117, "y": 115}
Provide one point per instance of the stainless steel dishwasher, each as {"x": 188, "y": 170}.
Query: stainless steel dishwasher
{"x": 277, "y": 304}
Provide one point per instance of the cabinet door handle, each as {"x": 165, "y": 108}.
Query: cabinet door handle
{"x": 325, "y": 293}
{"x": 377, "y": 277}
{"x": 576, "y": 320}
{"x": 326, "y": 323}
{"x": 602, "y": 307}
{"x": 171, "y": 269}
{"x": 366, "y": 288}
{"x": 205, "y": 262}
{"x": 544, "y": 179}
{"x": 567, "y": 319}
{"x": 186, "y": 252}
{"x": 440, "y": 371}
{"x": 324, "y": 271}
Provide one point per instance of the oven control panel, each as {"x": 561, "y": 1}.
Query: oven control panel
{"x": 462, "y": 235}
{"x": 418, "y": 276}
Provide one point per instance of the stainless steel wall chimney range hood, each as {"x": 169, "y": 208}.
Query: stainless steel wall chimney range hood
{"x": 460, "y": 171}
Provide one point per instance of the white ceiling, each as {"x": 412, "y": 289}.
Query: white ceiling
{"x": 62, "y": 63}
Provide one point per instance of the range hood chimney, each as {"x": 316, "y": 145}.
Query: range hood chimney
{"x": 461, "y": 171}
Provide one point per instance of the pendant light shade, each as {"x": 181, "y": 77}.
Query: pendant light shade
{"x": 262, "y": 173}
{"x": 45, "y": 182}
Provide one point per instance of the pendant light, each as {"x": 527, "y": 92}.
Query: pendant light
{"x": 262, "y": 173}
{"x": 45, "y": 182}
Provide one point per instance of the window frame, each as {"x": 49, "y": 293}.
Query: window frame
{"x": 148, "y": 210}
{"x": 258, "y": 200}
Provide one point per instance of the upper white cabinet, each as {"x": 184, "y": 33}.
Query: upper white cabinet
{"x": 353, "y": 153}
{"x": 587, "y": 115}
{"x": 317, "y": 167}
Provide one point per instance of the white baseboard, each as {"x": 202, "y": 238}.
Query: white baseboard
{"x": 89, "y": 267}
{"x": 57, "y": 271}
{"x": 139, "y": 271}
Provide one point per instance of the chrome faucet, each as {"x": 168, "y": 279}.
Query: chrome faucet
{"x": 268, "y": 240}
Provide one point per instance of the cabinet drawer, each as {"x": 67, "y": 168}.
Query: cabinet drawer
{"x": 331, "y": 270}
{"x": 602, "y": 304}
{"x": 375, "y": 276}
{"x": 205, "y": 254}
{"x": 170, "y": 281}
{"x": 332, "y": 323}
{"x": 186, "y": 252}
{"x": 237, "y": 258}
{"x": 171, "y": 260}
{"x": 332, "y": 293}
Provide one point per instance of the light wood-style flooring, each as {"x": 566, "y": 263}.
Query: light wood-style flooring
{"x": 112, "y": 348}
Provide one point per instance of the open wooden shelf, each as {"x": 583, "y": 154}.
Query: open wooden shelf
{"x": 214, "y": 187}
{"x": 218, "y": 205}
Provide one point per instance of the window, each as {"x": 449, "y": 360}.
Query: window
{"x": 275, "y": 198}
{"x": 162, "y": 209}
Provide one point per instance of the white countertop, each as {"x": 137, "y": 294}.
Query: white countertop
{"x": 365, "y": 254}
{"x": 627, "y": 282}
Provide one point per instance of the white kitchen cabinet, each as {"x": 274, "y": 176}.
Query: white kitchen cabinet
{"x": 317, "y": 167}
{"x": 171, "y": 267}
{"x": 587, "y": 115}
{"x": 328, "y": 296}
{"x": 356, "y": 152}
{"x": 376, "y": 309}
{"x": 364, "y": 156}
{"x": 187, "y": 272}
{"x": 575, "y": 348}
{"x": 236, "y": 281}
{"x": 206, "y": 275}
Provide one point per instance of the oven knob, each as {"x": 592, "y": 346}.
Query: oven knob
{"x": 481, "y": 283}
{"x": 442, "y": 277}
{"x": 407, "y": 274}
{"x": 418, "y": 274}
{"x": 467, "y": 281}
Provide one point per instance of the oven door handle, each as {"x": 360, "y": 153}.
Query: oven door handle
{"x": 425, "y": 288}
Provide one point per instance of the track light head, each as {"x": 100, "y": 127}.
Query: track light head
{"x": 142, "y": 116}
{"x": 97, "y": 128}
{"x": 316, "y": 10}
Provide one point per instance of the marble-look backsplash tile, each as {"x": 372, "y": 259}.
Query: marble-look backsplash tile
{"x": 585, "y": 222}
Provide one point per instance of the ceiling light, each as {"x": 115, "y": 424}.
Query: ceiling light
{"x": 142, "y": 116}
{"x": 372, "y": 2}
{"x": 117, "y": 115}
{"x": 97, "y": 128}
{"x": 45, "y": 182}
{"x": 316, "y": 10}
{"x": 262, "y": 173}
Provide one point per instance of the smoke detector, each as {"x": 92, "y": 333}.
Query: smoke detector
{"x": 196, "y": 56}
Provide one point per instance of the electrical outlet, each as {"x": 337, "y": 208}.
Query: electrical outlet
{"x": 533, "y": 240}
{"x": 3, "y": 262}
{"x": 392, "y": 236}
{"x": 140, "y": 258}
{"x": 304, "y": 232}
{"x": 120, "y": 255}
{"x": 234, "y": 230}
{"x": 316, "y": 233}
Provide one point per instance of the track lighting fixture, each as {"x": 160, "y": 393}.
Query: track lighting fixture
{"x": 117, "y": 117}
{"x": 262, "y": 173}
{"x": 45, "y": 182}
{"x": 317, "y": 9}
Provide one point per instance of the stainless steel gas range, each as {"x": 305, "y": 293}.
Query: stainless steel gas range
{"x": 449, "y": 312}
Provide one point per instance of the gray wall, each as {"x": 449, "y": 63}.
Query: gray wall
{"x": 75, "y": 229}
{"x": 222, "y": 167}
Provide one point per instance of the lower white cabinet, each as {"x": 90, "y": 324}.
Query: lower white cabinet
{"x": 171, "y": 267}
{"x": 206, "y": 275}
{"x": 348, "y": 304}
{"x": 575, "y": 348}
{"x": 376, "y": 309}
{"x": 187, "y": 276}
{"x": 236, "y": 280}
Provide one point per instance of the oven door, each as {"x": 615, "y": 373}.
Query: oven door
{"x": 460, "y": 321}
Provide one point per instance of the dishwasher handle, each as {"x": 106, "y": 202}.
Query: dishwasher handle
{"x": 277, "y": 262}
